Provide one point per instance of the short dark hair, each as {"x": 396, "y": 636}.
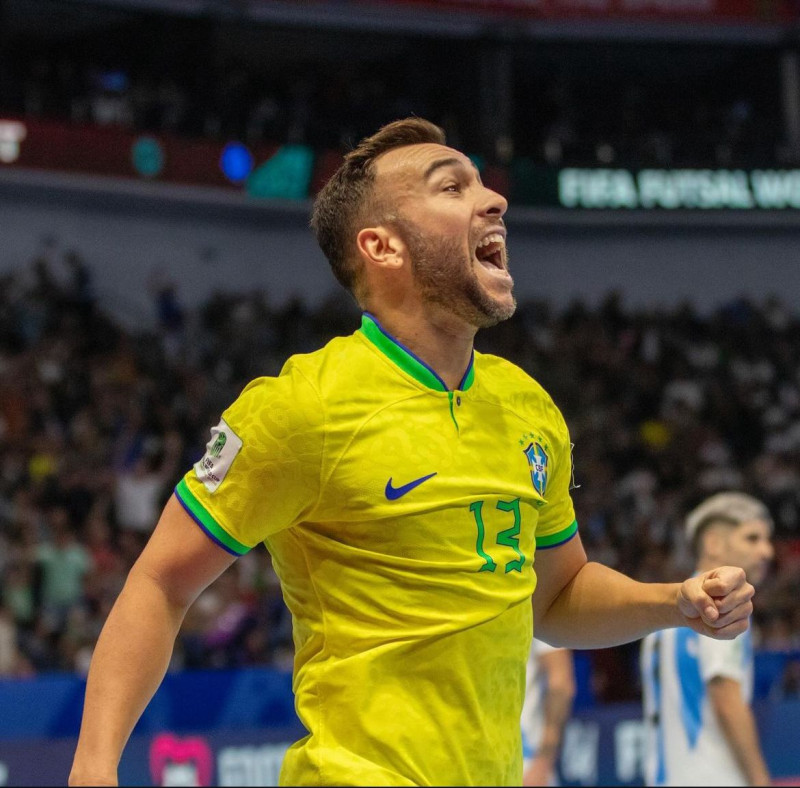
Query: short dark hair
{"x": 347, "y": 198}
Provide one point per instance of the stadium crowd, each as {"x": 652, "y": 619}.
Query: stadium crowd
{"x": 564, "y": 110}
{"x": 99, "y": 421}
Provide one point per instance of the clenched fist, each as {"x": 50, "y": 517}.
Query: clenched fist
{"x": 717, "y": 603}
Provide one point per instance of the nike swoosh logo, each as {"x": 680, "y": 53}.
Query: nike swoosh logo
{"x": 393, "y": 493}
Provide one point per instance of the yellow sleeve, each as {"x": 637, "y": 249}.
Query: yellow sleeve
{"x": 557, "y": 523}
{"x": 261, "y": 470}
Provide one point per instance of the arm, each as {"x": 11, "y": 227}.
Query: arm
{"x": 582, "y": 604}
{"x": 135, "y": 646}
{"x": 558, "y": 669}
{"x": 739, "y": 727}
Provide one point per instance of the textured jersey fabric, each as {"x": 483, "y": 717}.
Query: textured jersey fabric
{"x": 402, "y": 520}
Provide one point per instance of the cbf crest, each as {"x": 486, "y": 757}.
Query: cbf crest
{"x": 536, "y": 454}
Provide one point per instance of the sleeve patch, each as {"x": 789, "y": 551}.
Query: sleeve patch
{"x": 221, "y": 451}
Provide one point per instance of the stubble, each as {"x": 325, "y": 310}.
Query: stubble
{"x": 446, "y": 277}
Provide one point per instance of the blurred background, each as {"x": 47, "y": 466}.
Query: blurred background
{"x": 157, "y": 162}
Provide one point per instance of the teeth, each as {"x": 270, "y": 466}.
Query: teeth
{"x": 494, "y": 238}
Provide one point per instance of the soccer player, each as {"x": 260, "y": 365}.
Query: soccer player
{"x": 401, "y": 482}
{"x": 697, "y": 691}
{"x": 549, "y": 693}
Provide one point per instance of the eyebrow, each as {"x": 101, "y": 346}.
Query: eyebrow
{"x": 450, "y": 161}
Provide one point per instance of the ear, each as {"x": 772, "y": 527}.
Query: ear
{"x": 381, "y": 247}
{"x": 716, "y": 538}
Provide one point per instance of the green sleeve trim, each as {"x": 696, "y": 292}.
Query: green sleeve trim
{"x": 199, "y": 514}
{"x": 554, "y": 540}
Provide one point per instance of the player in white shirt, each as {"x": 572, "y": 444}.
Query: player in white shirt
{"x": 549, "y": 692}
{"x": 697, "y": 691}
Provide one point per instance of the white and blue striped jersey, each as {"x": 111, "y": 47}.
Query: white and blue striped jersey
{"x": 533, "y": 708}
{"x": 685, "y": 742}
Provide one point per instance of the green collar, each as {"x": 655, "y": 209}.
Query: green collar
{"x": 406, "y": 360}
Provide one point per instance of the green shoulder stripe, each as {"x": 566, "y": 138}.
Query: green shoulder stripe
{"x": 206, "y": 521}
{"x": 554, "y": 540}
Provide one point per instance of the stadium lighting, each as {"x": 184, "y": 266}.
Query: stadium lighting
{"x": 236, "y": 162}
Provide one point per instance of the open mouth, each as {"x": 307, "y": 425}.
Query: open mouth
{"x": 491, "y": 249}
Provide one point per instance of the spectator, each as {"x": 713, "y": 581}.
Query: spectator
{"x": 12, "y": 662}
{"x": 64, "y": 563}
{"x": 139, "y": 493}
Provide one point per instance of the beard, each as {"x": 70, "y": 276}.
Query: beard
{"x": 446, "y": 278}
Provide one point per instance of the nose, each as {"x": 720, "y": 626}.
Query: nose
{"x": 493, "y": 204}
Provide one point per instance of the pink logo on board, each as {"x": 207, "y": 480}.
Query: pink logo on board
{"x": 175, "y": 761}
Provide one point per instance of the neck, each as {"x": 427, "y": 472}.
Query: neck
{"x": 443, "y": 342}
{"x": 706, "y": 565}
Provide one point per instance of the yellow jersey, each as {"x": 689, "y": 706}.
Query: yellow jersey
{"x": 402, "y": 520}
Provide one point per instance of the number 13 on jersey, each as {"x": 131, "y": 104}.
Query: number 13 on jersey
{"x": 507, "y": 538}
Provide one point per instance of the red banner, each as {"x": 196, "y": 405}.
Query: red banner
{"x": 763, "y": 11}
{"x": 116, "y": 151}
